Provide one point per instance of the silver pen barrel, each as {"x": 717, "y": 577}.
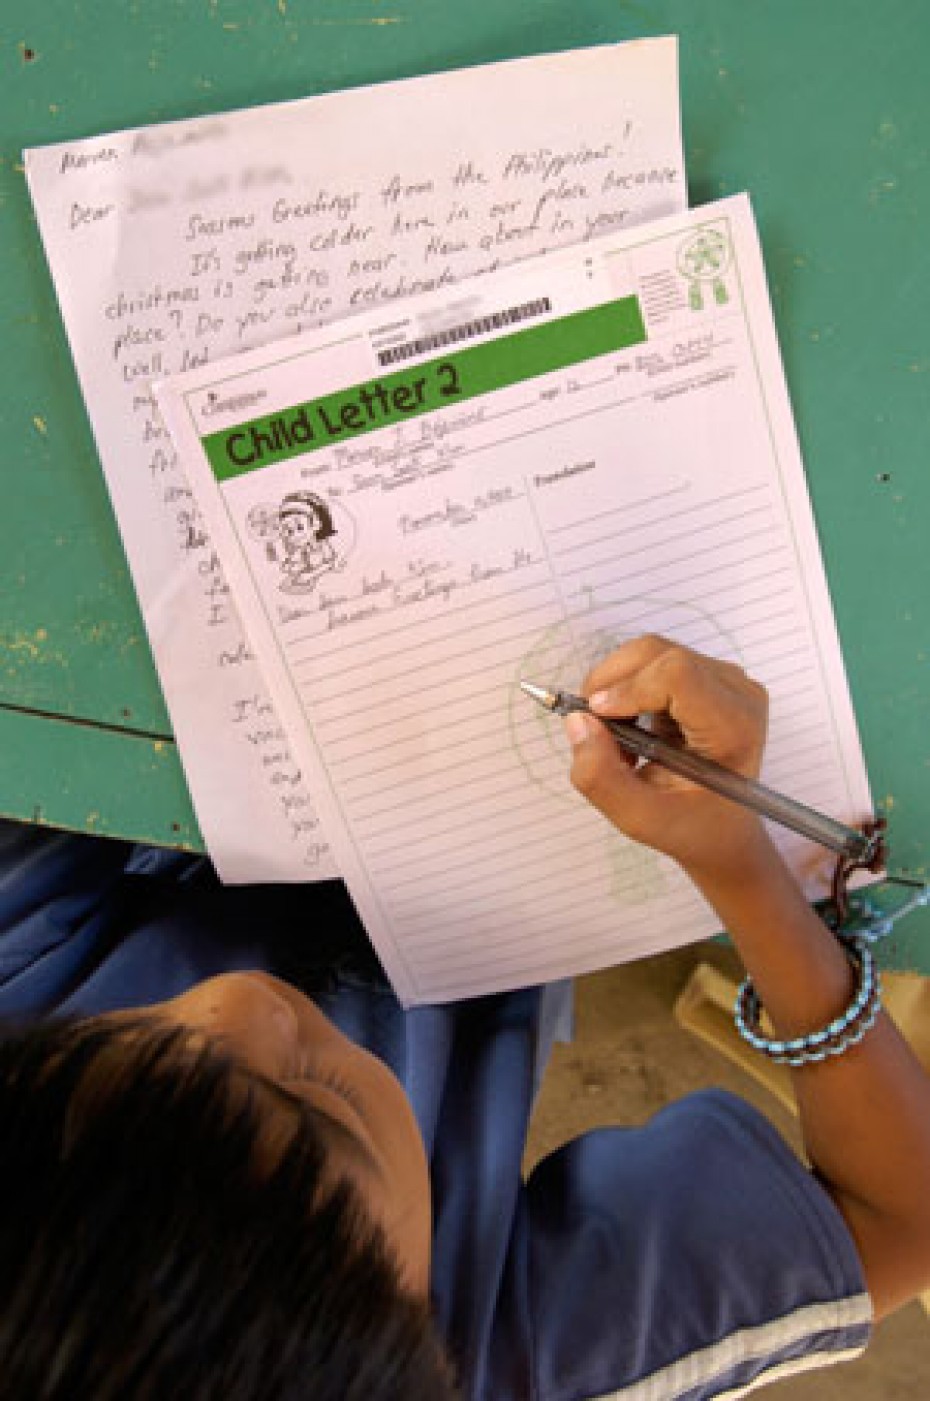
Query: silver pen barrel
{"x": 836, "y": 836}
{"x": 846, "y": 841}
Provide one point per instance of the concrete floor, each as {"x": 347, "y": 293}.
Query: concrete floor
{"x": 628, "y": 1059}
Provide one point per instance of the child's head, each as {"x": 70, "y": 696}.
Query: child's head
{"x": 305, "y": 516}
{"x": 216, "y": 1197}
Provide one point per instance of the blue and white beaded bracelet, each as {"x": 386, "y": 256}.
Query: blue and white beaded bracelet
{"x": 844, "y": 1031}
{"x": 856, "y": 924}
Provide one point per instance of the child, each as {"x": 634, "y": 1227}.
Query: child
{"x": 216, "y": 1186}
{"x": 306, "y": 526}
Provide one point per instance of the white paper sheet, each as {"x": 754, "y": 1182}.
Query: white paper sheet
{"x": 416, "y": 511}
{"x": 174, "y": 245}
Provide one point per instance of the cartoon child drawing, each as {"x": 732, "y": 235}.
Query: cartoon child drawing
{"x": 306, "y": 525}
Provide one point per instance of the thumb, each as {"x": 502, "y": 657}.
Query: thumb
{"x": 606, "y": 775}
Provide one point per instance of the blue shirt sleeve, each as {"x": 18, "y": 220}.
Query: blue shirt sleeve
{"x": 89, "y": 925}
{"x": 687, "y": 1259}
{"x": 57, "y": 911}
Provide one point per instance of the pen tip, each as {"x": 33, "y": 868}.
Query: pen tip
{"x": 538, "y": 693}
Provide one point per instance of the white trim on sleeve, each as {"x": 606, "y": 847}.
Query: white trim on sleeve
{"x": 687, "y": 1374}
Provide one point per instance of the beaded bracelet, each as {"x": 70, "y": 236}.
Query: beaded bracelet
{"x": 868, "y": 925}
{"x": 844, "y": 1031}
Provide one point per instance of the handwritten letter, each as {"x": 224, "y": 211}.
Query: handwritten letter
{"x": 174, "y": 245}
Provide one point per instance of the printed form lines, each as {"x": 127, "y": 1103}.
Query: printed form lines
{"x": 659, "y": 574}
{"x": 600, "y": 931}
{"x": 755, "y": 636}
{"x": 611, "y": 949}
{"x": 530, "y": 820}
{"x": 500, "y": 903}
{"x": 443, "y": 766}
{"x": 461, "y": 654}
{"x": 440, "y": 800}
{"x": 375, "y": 677}
{"x": 440, "y": 689}
{"x": 801, "y": 648}
{"x": 785, "y": 720}
{"x": 792, "y": 772}
{"x": 656, "y": 610}
{"x": 459, "y": 696}
{"x": 443, "y": 723}
{"x": 637, "y": 527}
{"x": 774, "y": 680}
{"x": 624, "y": 510}
{"x": 407, "y": 626}
{"x": 652, "y": 550}
{"x": 711, "y": 596}
{"x": 548, "y": 426}
{"x": 515, "y": 857}
{"x": 701, "y": 634}
{"x": 793, "y": 778}
{"x": 737, "y": 606}
{"x": 805, "y": 742}
{"x": 653, "y": 580}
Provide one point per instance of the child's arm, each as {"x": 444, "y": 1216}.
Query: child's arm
{"x": 865, "y": 1115}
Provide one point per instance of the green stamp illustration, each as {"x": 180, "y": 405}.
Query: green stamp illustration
{"x": 704, "y": 258}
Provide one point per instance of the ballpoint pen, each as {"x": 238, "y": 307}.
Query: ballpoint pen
{"x": 848, "y": 842}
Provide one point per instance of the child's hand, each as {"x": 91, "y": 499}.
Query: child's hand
{"x": 716, "y": 709}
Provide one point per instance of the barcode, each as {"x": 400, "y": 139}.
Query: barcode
{"x": 484, "y": 324}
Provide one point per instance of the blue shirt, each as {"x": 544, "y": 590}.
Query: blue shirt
{"x": 688, "y": 1258}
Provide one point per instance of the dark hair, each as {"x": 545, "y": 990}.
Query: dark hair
{"x": 147, "y": 1251}
{"x": 302, "y": 503}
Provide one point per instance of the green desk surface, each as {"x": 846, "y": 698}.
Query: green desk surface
{"x": 820, "y": 108}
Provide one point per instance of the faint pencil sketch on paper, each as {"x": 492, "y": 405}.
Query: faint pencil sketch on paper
{"x": 559, "y": 657}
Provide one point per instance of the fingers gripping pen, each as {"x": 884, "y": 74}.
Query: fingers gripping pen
{"x": 861, "y": 847}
